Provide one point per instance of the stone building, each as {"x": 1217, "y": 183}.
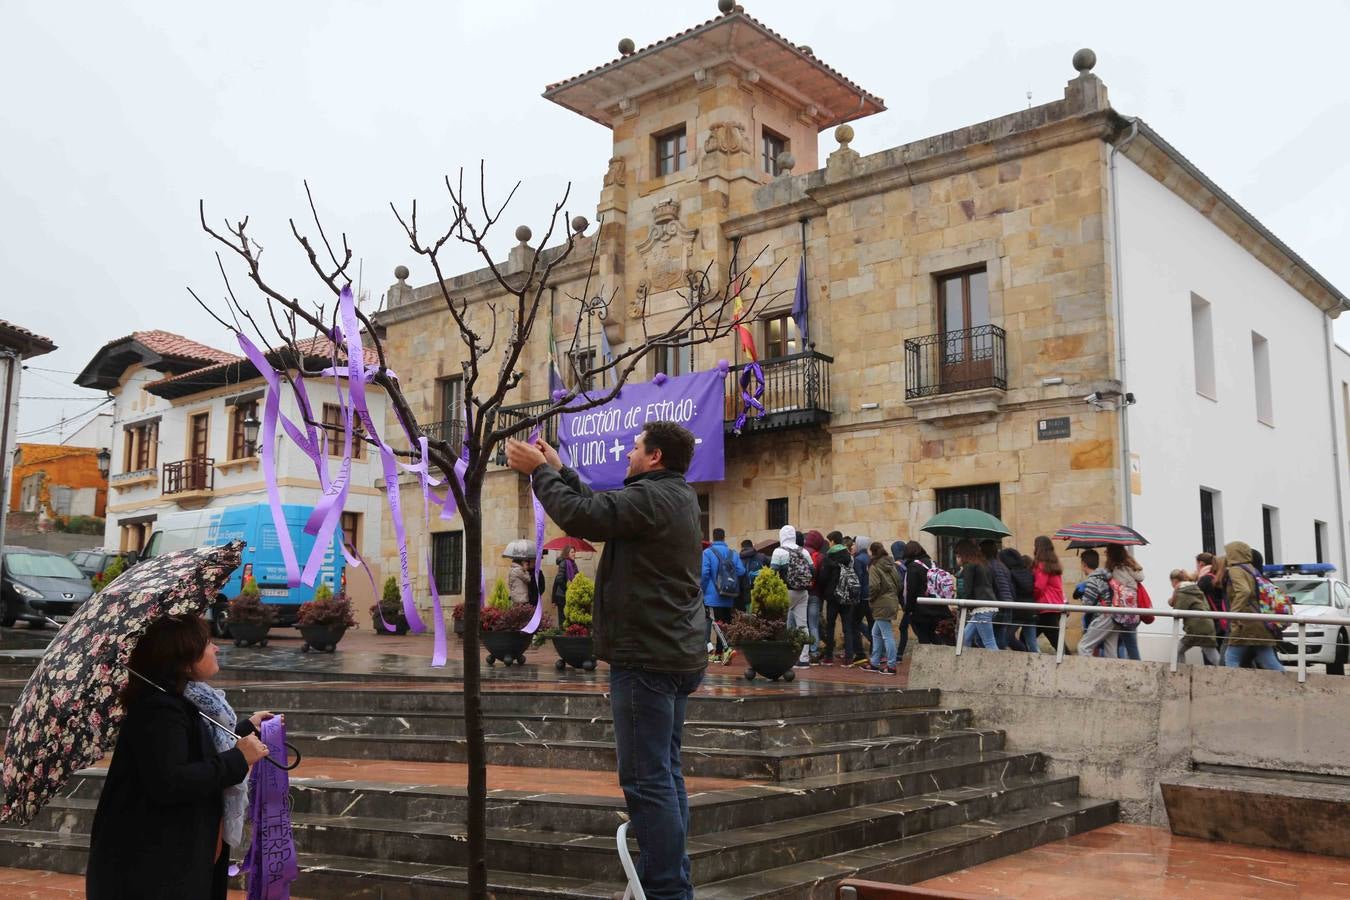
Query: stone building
{"x": 966, "y": 299}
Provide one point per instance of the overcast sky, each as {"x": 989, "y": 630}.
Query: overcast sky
{"x": 120, "y": 115}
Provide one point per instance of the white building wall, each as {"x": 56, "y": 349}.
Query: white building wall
{"x": 1340, "y": 391}
{"x": 241, "y": 484}
{"x": 1184, "y": 440}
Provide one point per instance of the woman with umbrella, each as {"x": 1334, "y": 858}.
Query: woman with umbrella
{"x": 567, "y": 570}
{"x": 170, "y": 797}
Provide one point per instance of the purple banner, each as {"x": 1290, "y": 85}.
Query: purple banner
{"x": 597, "y": 440}
{"x": 270, "y": 862}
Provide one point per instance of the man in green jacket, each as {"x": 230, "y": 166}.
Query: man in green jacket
{"x": 647, "y": 623}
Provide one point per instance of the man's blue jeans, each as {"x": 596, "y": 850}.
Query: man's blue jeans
{"x": 648, "y": 710}
{"x": 1263, "y": 657}
{"x": 1127, "y": 647}
{"x": 813, "y": 624}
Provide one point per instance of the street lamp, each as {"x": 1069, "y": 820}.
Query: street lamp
{"x": 104, "y": 458}
{"x": 251, "y": 426}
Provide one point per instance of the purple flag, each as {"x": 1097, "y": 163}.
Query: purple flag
{"x": 800, "y": 313}
{"x": 598, "y": 440}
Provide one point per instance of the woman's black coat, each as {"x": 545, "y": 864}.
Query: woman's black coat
{"x": 158, "y": 818}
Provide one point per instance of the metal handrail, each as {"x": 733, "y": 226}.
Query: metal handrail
{"x": 1176, "y": 615}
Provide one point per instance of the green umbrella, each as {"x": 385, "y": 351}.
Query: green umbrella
{"x": 968, "y": 523}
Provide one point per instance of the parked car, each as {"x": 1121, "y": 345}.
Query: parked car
{"x": 93, "y": 563}
{"x": 1314, "y": 591}
{"x": 35, "y": 585}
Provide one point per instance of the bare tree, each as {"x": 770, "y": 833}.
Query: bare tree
{"x": 493, "y": 367}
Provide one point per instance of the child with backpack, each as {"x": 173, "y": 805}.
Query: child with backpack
{"x": 883, "y": 582}
{"x": 1250, "y": 640}
{"x": 923, "y": 578}
{"x": 1047, "y": 586}
{"x": 1096, "y": 591}
{"x": 794, "y": 566}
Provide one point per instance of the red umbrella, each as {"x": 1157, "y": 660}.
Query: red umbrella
{"x": 576, "y": 544}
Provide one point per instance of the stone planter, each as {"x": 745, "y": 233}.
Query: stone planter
{"x": 321, "y": 638}
{"x": 577, "y": 652}
{"x": 400, "y": 626}
{"x": 770, "y": 659}
{"x": 507, "y": 646}
{"x": 248, "y": 634}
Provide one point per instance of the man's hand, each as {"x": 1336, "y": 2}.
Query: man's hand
{"x": 550, "y": 455}
{"x": 523, "y": 457}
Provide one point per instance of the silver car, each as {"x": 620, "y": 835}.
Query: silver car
{"x": 1318, "y": 595}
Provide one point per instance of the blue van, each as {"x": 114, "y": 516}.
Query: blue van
{"x": 262, "y": 556}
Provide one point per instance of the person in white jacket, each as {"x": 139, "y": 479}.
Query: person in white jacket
{"x": 797, "y": 599}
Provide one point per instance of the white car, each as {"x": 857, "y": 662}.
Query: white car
{"x": 1314, "y": 591}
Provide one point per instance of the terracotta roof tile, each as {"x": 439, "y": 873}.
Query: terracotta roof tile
{"x": 166, "y": 343}
{"x": 677, "y": 36}
{"x": 25, "y": 333}
{"x": 317, "y": 346}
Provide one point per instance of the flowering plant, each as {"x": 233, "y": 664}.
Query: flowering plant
{"x": 327, "y": 609}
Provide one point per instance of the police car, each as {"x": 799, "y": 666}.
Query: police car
{"x": 1315, "y": 592}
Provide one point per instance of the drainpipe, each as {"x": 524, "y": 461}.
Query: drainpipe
{"x": 13, "y": 362}
{"x": 1118, "y": 289}
{"x": 1335, "y": 439}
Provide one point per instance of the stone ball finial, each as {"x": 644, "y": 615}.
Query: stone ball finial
{"x": 1084, "y": 60}
{"x": 580, "y": 224}
{"x": 726, "y": 7}
{"x": 523, "y": 234}
{"x": 786, "y": 161}
{"x": 843, "y": 134}
{"x": 401, "y": 273}
{"x": 626, "y": 47}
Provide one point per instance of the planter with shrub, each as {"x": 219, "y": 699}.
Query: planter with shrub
{"x": 249, "y": 619}
{"x": 763, "y": 636}
{"x": 572, "y": 639}
{"x": 391, "y": 605}
{"x": 324, "y": 620}
{"x": 500, "y": 623}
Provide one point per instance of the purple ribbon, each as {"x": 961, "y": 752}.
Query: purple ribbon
{"x": 752, "y": 371}
{"x": 270, "y": 861}
{"x": 538, "y": 616}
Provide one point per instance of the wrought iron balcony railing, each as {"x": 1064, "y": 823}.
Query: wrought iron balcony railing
{"x": 796, "y": 393}
{"x": 195, "y": 474}
{"x": 955, "y": 361}
{"x": 450, "y": 431}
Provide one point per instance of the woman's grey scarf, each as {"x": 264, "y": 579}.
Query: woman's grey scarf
{"x": 212, "y": 702}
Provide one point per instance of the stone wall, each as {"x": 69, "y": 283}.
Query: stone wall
{"x": 1124, "y": 727}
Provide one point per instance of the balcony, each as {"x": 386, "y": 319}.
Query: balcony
{"x": 451, "y": 431}
{"x": 956, "y": 374}
{"x": 189, "y": 479}
{"x": 796, "y": 393}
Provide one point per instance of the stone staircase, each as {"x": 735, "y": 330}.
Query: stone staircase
{"x": 822, "y": 782}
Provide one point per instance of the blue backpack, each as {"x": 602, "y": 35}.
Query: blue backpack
{"x": 727, "y": 581}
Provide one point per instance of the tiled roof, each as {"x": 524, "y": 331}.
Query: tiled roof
{"x": 166, "y": 343}
{"x": 739, "y": 14}
{"x": 25, "y": 336}
{"x": 312, "y": 347}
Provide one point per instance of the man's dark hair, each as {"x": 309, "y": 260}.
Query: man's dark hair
{"x": 675, "y": 442}
{"x": 989, "y": 548}
{"x": 1091, "y": 559}
{"x": 719, "y": 534}
{"x": 835, "y": 537}
{"x": 747, "y": 544}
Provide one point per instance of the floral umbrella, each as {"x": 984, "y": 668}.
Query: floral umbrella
{"x": 68, "y": 716}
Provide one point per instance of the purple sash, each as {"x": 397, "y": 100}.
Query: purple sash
{"x": 270, "y": 861}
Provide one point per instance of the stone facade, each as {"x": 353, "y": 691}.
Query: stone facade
{"x": 1024, "y": 199}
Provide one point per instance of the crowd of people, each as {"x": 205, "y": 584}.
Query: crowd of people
{"x": 858, "y": 600}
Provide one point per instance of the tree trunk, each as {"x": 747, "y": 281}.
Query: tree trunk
{"x": 473, "y": 702}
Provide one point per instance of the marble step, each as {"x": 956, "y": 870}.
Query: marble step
{"x": 711, "y": 811}
{"x": 715, "y": 855}
{"x": 326, "y": 876}
{"x": 25, "y": 638}
{"x": 919, "y": 857}
{"x": 777, "y": 764}
{"x": 708, "y": 704}
{"x": 760, "y": 735}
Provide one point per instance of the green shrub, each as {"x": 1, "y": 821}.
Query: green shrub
{"x": 580, "y": 593}
{"x": 108, "y": 575}
{"x": 500, "y": 598}
{"x": 323, "y": 593}
{"x": 769, "y": 596}
{"x": 250, "y": 589}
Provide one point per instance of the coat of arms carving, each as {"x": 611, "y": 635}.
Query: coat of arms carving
{"x": 725, "y": 137}
{"x": 667, "y": 251}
